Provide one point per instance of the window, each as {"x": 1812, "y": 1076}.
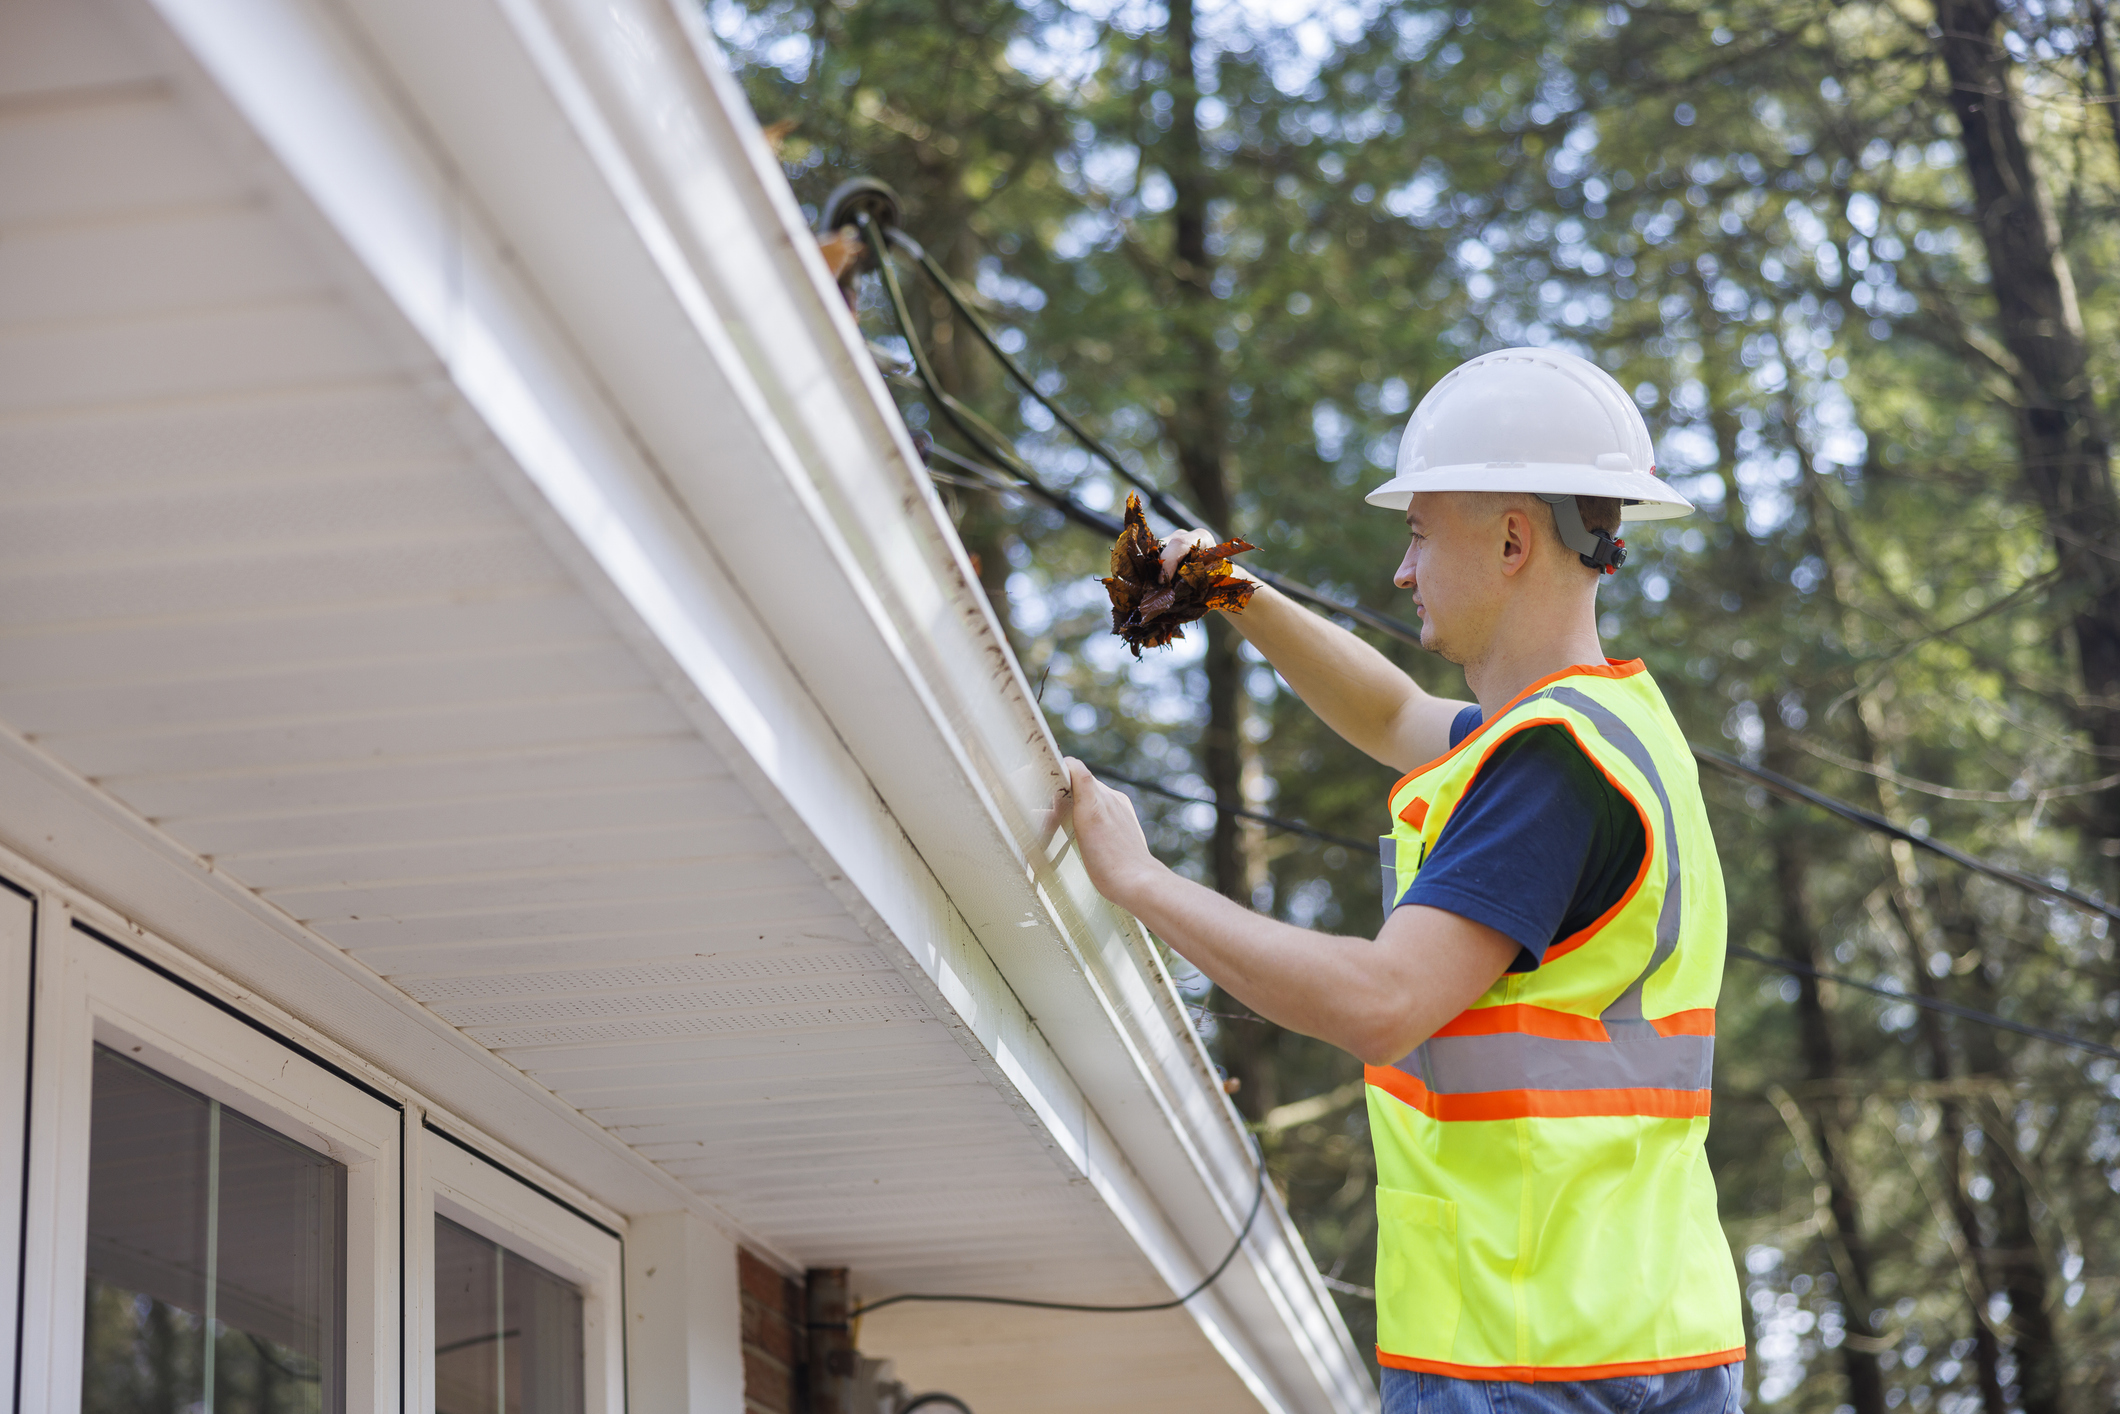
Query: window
{"x": 223, "y": 1218}
{"x": 213, "y": 1210}
{"x": 523, "y": 1292}
{"x": 216, "y": 1257}
{"x": 507, "y": 1333}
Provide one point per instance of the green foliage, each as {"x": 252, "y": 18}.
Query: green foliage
{"x": 1755, "y": 214}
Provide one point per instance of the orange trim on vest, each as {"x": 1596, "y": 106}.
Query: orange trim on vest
{"x": 1415, "y": 813}
{"x": 1523, "y": 1019}
{"x": 1536, "y": 1104}
{"x": 1610, "y": 668}
{"x": 1561, "y": 947}
{"x": 1534, "y": 1374}
{"x": 1698, "y": 1022}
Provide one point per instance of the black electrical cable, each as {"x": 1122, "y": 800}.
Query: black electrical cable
{"x": 983, "y": 435}
{"x": 1273, "y": 822}
{"x": 1171, "y": 510}
{"x": 990, "y": 440}
{"x": 921, "y": 1401}
{"x": 1394, "y": 628}
{"x": 1407, "y": 633}
{"x": 1258, "y": 1201}
{"x": 1986, "y": 1018}
{"x": 995, "y": 444}
{"x": 1783, "y": 786}
{"x": 1779, "y": 784}
{"x": 1067, "y": 506}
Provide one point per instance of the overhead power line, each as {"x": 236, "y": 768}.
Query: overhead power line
{"x": 1986, "y": 1018}
{"x": 1020, "y": 477}
{"x": 2002, "y": 873}
{"x": 1272, "y": 822}
{"x": 1019, "y": 473}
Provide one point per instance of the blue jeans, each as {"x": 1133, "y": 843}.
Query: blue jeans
{"x": 1718, "y": 1389}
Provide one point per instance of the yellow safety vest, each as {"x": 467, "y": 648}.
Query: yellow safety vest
{"x": 1544, "y": 1206}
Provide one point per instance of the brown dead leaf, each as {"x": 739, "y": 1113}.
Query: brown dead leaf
{"x": 841, "y": 250}
{"x": 1147, "y": 611}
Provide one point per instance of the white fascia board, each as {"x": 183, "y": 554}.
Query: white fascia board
{"x": 658, "y": 350}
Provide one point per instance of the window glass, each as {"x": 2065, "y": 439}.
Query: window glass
{"x": 216, "y": 1258}
{"x": 507, "y": 1333}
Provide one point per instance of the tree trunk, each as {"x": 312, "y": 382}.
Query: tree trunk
{"x": 2011, "y": 1263}
{"x": 2015, "y": 1265}
{"x": 2101, "y": 50}
{"x": 1796, "y": 931}
{"x": 966, "y": 373}
{"x": 1195, "y": 425}
{"x": 1797, "y": 934}
{"x": 2064, "y": 446}
{"x": 1917, "y": 924}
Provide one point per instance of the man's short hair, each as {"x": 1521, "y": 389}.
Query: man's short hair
{"x": 1598, "y": 512}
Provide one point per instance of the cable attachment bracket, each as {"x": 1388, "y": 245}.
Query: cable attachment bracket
{"x": 1599, "y": 549}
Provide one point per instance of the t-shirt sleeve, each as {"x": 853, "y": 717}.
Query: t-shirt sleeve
{"x": 1538, "y": 848}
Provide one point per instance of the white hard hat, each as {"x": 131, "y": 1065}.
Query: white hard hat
{"x": 1534, "y": 420}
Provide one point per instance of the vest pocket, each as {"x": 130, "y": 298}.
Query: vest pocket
{"x": 1417, "y": 1274}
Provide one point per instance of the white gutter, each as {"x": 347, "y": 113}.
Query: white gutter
{"x": 655, "y": 344}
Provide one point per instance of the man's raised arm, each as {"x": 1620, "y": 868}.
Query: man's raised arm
{"x": 1354, "y": 689}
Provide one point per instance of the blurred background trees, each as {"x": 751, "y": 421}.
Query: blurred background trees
{"x": 1853, "y": 261}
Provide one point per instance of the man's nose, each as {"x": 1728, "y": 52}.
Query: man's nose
{"x": 1404, "y": 579}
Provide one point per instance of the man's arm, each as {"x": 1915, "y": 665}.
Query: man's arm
{"x": 1375, "y": 997}
{"x": 1354, "y": 689}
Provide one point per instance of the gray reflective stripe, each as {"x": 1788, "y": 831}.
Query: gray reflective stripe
{"x": 1624, "y": 1017}
{"x": 1388, "y": 858}
{"x": 1471, "y": 1065}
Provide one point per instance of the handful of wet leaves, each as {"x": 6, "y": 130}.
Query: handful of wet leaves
{"x": 1149, "y": 612}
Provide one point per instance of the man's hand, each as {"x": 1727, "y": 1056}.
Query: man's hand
{"x": 1377, "y": 998}
{"x": 1108, "y": 833}
{"x": 1182, "y": 540}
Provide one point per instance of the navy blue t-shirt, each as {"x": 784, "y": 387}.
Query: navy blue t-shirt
{"x": 1538, "y": 848}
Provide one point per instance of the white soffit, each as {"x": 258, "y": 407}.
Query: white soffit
{"x": 267, "y": 582}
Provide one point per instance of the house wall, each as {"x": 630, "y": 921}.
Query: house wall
{"x": 666, "y": 1325}
{"x": 773, "y": 1329}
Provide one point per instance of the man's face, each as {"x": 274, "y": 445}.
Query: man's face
{"x": 1449, "y": 567}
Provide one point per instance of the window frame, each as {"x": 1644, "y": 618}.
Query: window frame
{"x": 19, "y": 908}
{"x": 92, "y": 988}
{"x": 456, "y": 1179}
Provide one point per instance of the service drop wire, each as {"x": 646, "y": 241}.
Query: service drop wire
{"x": 983, "y": 436}
{"x": 1966, "y": 1013}
{"x": 1781, "y": 785}
{"x": 1271, "y": 822}
{"x": 991, "y": 441}
{"x": 1404, "y": 632}
{"x": 1258, "y": 1201}
{"x": 1172, "y": 510}
{"x": 1854, "y": 814}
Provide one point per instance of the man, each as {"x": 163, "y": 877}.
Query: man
{"x": 1536, "y": 1017}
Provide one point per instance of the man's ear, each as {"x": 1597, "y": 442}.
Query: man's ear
{"x": 1517, "y": 539}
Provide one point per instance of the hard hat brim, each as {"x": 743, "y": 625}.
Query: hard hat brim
{"x": 1654, "y": 498}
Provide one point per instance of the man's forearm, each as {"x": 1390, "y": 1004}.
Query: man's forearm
{"x": 1354, "y": 689}
{"x": 1376, "y": 998}
{"x": 1303, "y": 980}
